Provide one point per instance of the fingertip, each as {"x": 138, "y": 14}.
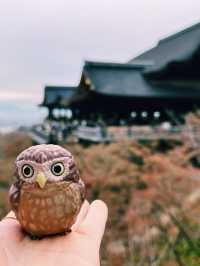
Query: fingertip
{"x": 11, "y": 214}
{"x": 9, "y": 217}
{"x": 101, "y": 206}
{"x": 9, "y": 225}
{"x": 94, "y": 223}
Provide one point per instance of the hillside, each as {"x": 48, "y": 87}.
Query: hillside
{"x": 152, "y": 190}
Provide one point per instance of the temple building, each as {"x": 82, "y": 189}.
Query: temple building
{"x": 162, "y": 84}
{"x": 57, "y": 99}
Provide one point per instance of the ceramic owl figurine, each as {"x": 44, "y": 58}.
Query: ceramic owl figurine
{"x": 48, "y": 192}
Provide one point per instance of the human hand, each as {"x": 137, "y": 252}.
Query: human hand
{"x": 78, "y": 248}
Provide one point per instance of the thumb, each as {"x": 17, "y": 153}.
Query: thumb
{"x": 10, "y": 226}
{"x": 94, "y": 223}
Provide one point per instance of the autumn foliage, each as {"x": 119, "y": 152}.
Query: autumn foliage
{"x": 152, "y": 189}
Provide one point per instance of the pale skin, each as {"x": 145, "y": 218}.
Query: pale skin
{"x": 80, "y": 247}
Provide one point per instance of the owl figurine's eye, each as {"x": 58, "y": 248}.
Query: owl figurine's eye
{"x": 57, "y": 169}
{"x": 27, "y": 171}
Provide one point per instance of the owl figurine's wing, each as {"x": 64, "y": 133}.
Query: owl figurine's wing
{"x": 14, "y": 195}
{"x": 75, "y": 177}
{"x": 82, "y": 189}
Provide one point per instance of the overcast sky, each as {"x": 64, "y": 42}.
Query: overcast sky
{"x": 45, "y": 41}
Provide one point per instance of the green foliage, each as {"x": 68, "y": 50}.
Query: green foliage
{"x": 136, "y": 159}
{"x": 141, "y": 185}
{"x": 195, "y": 161}
{"x": 4, "y": 184}
{"x": 96, "y": 191}
{"x": 164, "y": 145}
{"x": 145, "y": 142}
{"x": 115, "y": 188}
{"x": 186, "y": 253}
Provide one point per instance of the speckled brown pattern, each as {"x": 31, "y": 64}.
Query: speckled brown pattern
{"x": 48, "y": 211}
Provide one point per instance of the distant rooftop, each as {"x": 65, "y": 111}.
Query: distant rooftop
{"x": 126, "y": 80}
{"x": 57, "y": 95}
{"x": 163, "y": 76}
{"x": 178, "y": 46}
{"x": 180, "y": 33}
{"x": 116, "y": 79}
{"x": 137, "y": 64}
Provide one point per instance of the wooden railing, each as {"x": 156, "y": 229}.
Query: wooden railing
{"x": 112, "y": 134}
{"x": 136, "y": 133}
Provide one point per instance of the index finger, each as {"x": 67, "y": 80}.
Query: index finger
{"x": 94, "y": 223}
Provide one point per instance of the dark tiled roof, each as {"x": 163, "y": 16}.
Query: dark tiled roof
{"x": 175, "y": 47}
{"x": 181, "y": 33}
{"x": 169, "y": 70}
{"x": 137, "y": 64}
{"x": 185, "y": 70}
{"x": 126, "y": 80}
{"x": 58, "y": 95}
{"x": 116, "y": 79}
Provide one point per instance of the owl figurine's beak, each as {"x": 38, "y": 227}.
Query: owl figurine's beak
{"x": 41, "y": 179}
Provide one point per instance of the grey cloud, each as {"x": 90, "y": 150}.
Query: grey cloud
{"x": 46, "y": 41}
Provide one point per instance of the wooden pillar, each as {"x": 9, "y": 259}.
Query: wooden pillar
{"x": 50, "y": 114}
